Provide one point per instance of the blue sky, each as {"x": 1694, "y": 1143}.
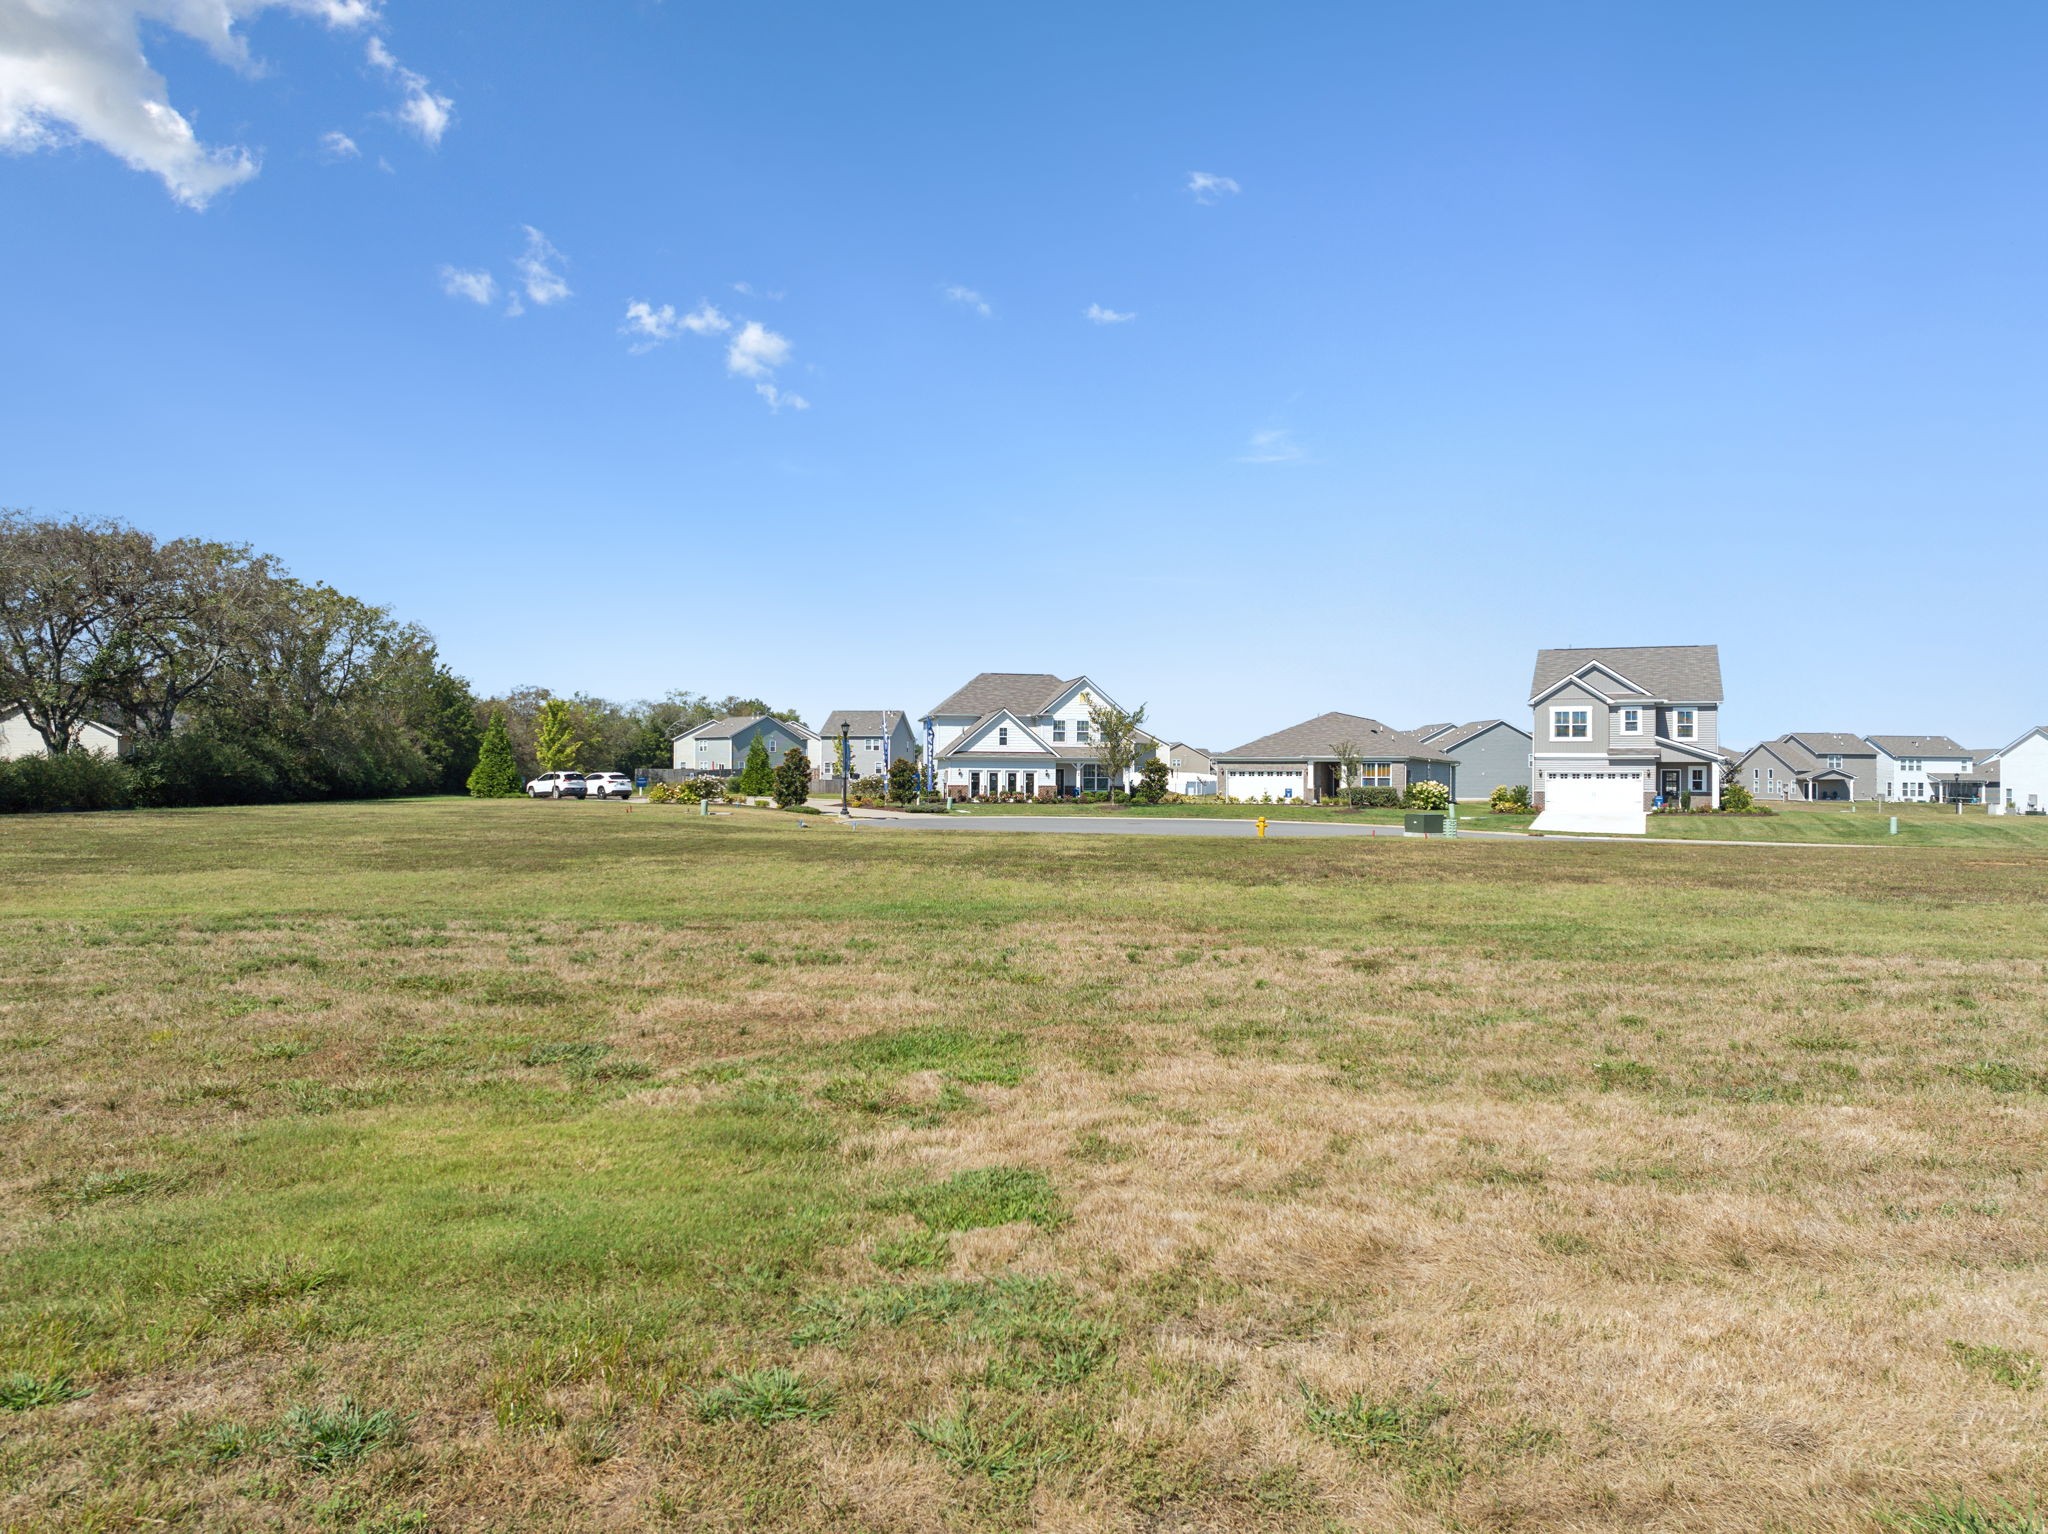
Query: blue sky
{"x": 1495, "y": 327}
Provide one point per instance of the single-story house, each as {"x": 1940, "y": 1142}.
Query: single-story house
{"x": 2023, "y": 773}
{"x": 875, "y": 737}
{"x": 1304, "y": 761}
{"x": 1490, "y": 753}
{"x": 1022, "y": 732}
{"x": 19, "y": 738}
{"x": 720, "y": 746}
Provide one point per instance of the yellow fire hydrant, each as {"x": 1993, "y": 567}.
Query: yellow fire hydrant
{"x": 1262, "y": 825}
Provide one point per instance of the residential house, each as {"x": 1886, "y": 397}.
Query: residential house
{"x": 875, "y": 737}
{"x": 1022, "y": 732}
{"x": 2023, "y": 773}
{"x": 1490, "y": 753}
{"x": 19, "y": 738}
{"x": 1809, "y": 764}
{"x": 1304, "y": 761}
{"x": 1920, "y": 767}
{"x": 1190, "y": 770}
{"x": 1616, "y": 728}
{"x": 720, "y": 746}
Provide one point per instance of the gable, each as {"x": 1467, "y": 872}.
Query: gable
{"x": 984, "y": 737}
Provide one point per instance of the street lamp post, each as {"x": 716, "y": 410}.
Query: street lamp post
{"x": 845, "y": 770}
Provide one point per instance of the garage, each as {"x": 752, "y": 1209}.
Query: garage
{"x": 1602, "y": 800}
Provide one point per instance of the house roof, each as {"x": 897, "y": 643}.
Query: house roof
{"x": 2024, "y": 736}
{"x": 1425, "y": 731}
{"x": 1916, "y": 745}
{"x": 725, "y": 729}
{"x": 1830, "y": 742}
{"x": 1021, "y": 692}
{"x": 1452, "y": 736}
{"x": 861, "y": 721}
{"x": 1315, "y": 739}
{"x": 1685, "y": 673}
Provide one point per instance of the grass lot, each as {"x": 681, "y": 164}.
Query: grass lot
{"x": 1923, "y": 825}
{"x": 443, "y": 1166}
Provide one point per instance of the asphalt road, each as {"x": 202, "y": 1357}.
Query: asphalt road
{"x": 1149, "y": 825}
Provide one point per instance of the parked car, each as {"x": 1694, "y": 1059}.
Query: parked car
{"x": 607, "y": 785}
{"x": 556, "y": 785}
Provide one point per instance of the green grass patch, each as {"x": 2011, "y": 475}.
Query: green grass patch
{"x": 1001, "y": 1195}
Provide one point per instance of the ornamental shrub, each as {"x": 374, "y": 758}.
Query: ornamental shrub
{"x": 1152, "y": 781}
{"x": 1378, "y": 797}
{"x": 1427, "y": 794}
{"x": 902, "y": 780}
{"x": 758, "y": 775}
{"x": 1509, "y": 799}
{"x": 496, "y": 774}
{"x": 1737, "y": 799}
{"x": 792, "y": 778}
{"x": 875, "y": 787}
{"x": 76, "y": 780}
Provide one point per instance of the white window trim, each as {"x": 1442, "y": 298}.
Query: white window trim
{"x": 1685, "y": 724}
{"x": 1565, "y": 716}
{"x": 1631, "y": 729}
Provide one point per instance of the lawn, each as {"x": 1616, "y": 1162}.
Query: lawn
{"x": 451, "y": 1166}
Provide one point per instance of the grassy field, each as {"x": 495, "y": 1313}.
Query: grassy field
{"x": 1923, "y": 825}
{"x": 450, "y": 1166}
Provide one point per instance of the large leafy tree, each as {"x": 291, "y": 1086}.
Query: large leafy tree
{"x": 67, "y": 590}
{"x": 496, "y": 774}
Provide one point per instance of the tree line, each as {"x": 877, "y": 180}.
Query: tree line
{"x": 238, "y": 683}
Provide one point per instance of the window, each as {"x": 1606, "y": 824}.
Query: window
{"x": 1376, "y": 775}
{"x": 1002, "y": 734}
{"x": 974, "y": 785}
{"x": 1568, "y": 724}
{"x": 1081, "y": 731}
{"x": 1094, "y": 778}
{"x": 1834, "y": 764}
{"x": 1909, "y": 764}
{"x": 1699, "y": 780}
{"x": 1755, "y": 775}
{"x": 1059, "y": 731}
{"x": 1013, "y": 782}
{"x": 1684, "y": 726}
{"x": 1631, "y": 721}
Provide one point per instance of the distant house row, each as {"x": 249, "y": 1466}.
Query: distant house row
{"x": 1828, "y": 765}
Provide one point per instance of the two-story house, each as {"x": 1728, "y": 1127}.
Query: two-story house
{"x": 1912, "y": 766}
{"x": 1022, "y": 732}
{"x": 875, "y": 737}
{"x": 2023, "y": 773}
{"x": 1809, "y": 764}
{"x": 1618, "y": 728}
{"x": 720, "y": 746}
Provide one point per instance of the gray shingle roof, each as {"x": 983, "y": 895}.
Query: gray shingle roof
{"x": 862, "y": 723}
{"x": 1425, "y": 731}
{"x": 1684, "y": 673}
{"x": 1316, "y": 739}
{"x": 725, "y": 729}
{"x": 1830, "y": 742}
{"x": 1456, "y": 735}
{"x": 1916, "y": 745}
{"x": 1021, "y": 692}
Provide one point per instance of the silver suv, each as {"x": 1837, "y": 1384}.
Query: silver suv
{"x": 607, "y": 785}
{"x": 556, "y": 785}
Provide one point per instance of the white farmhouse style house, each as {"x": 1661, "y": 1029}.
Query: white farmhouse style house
{"x": 1618, "y": 728}
{"x": 1021, "y": 732}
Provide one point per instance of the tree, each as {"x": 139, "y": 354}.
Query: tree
{"x": 1153, "y": 779}
{"x": 66, "y": 589}
{"x": 1349, "y": 756}
{"x": 902, "y": 779}
{"x": 559, "y": 737}
{"x": 1736, "y": 799}
{"x": 496, "y": 774}
{"x": 758, "y": 775}
{"x": 1119, "y": 735}
{"x": 443, "y": 717}
{"x": 792, "y": 778}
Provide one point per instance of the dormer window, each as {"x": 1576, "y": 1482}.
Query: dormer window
{"x": 1685, "y": 724}
{"x": 1568, "y": 724}
{"x": 1631, "y": 721}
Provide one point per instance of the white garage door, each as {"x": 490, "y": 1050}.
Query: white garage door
{"x": 1607, "y": 801}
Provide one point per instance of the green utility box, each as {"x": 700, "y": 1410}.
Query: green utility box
{"x": 1424, "y": 823}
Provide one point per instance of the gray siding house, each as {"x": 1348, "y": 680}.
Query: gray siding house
{"x": 721, "y": 745}
{"x": 867, "y": 730}
{"x": 1626, "y": 722}
{"x": 1301, "y": 762}
{"x": 1490, "y": 753}
{"x": 1810, "y": 764}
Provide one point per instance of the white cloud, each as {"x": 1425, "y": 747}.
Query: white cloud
{"x": 1096, "y": 314}
{"x": 1273, "y": 445}
{"x": 651, "y": 326}
{"x": 756, "y": 351}
{"x": 336, "y": 145}
{"x": 536, "y": 267}
{"x": 705, "y": 320}
{"x": 778, "y": 398}
{"x": 477, "y": 287}
{"x": 1210, "y": 188}
{"x": 424, "y": 110}
{"x": 967, "y": 298}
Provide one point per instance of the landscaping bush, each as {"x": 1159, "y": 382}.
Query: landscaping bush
{"x": 1152, "y": 782}
{"x": 793, "y": 778}
{"x": 874, "y": 788}
{"x": 1376, "y": 798}
{"x": 1510, "y": 799}
{"x": 1425, "y": 794}
{"x": 192, "y": 769}
{"x": 902, "y": 780}
{"x": 77, "y": 780}
{"x": 1737, "y": 799}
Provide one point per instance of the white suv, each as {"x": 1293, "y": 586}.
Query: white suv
{"x": 556, "y": 785}
{"x": 607, "y": 785}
